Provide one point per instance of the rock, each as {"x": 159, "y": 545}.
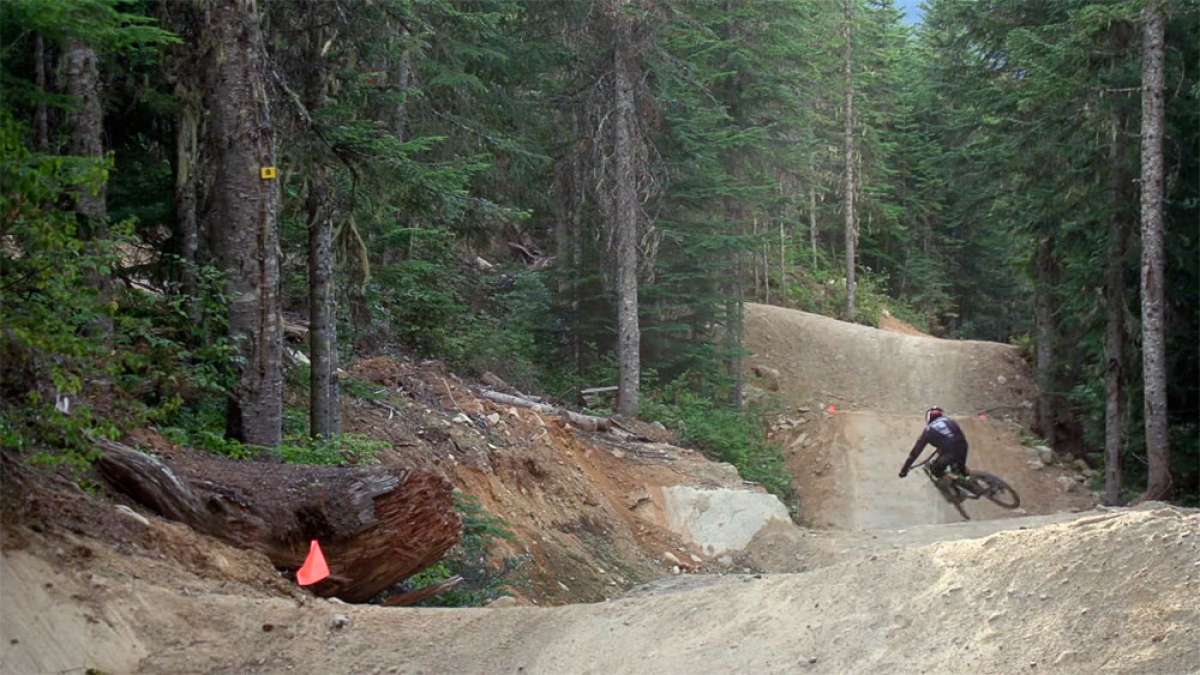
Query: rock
{"x": 1002, "y": 379}
{"x": 769, "y": 375}
{"x": 1045, "y": 454}
{"x": 619, "y": 454}
{"x": 502, "y": 602}
{"x": 675, "y": 569}
{"x": 1082, "y": 465}
{"x": 1036, "y": 464}
{"x": 658, "y": 425}
{"x": 720, "y": 520}
{"x": 461, "y": 418}
{"x": 671, "y": 558}
{"x": 133, "y": 515}
{"x": 339, "y": 621}
{"x": 493, "y": 419}
{"x": 1067, "y": 483}
{"x": 803, "y": 410}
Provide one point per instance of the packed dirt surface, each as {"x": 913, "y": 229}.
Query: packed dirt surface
{"x": 846, "y": 470}
{"x": 1111, "y": 592}
{"x": 851, "y": 400}
{"x": 823, "y": 360}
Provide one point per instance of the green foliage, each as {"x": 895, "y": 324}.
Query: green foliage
{"x": 472, "y": 558}
{"x": 418, "y": 294}
{"x": 822, "y": 290}
{"x": 727, "y": 434}
{"x": 513, "y": 336}
{"x": 342, "y": 450}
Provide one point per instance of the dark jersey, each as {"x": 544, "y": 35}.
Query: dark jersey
{"x": 944, "y": 434}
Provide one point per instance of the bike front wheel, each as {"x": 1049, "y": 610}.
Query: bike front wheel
{"x": 998, "y": 492}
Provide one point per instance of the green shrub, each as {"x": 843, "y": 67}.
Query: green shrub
{"x": 727, "y": 434}
{"x": 470, "y": 559}
{"x": 341, "y": 450}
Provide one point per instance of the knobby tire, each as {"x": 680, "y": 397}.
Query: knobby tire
{"x": 999, "y": 493}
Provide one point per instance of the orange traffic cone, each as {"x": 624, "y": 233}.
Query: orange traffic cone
{"x": 314, "y": 568}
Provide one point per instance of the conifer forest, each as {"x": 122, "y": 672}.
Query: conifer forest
{"x": 210, "y": 208}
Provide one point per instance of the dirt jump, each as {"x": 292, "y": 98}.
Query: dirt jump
{"x": 885, "y": 577}
{"x": 861, "y": 393}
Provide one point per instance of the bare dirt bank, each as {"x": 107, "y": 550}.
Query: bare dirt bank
{"x": 1108, "y": 592}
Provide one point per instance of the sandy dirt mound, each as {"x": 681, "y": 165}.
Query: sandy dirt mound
{"x": 823, "y": 360}
{"x": 1113, "y": 592}
{"x": 852, "y": 398}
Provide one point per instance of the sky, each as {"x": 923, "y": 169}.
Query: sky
{"x": 912, "y": 10}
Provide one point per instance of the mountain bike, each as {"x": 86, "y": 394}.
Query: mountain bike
{"x": 975, "y": 485}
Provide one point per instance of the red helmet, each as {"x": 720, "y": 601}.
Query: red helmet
{"x": 933, "y": 413}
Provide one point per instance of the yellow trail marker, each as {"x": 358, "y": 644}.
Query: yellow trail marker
{"x": 269, "y": 173}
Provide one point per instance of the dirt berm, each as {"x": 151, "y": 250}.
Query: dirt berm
{"x": 852, "y": 399}
{"x": 1110, "y": 592}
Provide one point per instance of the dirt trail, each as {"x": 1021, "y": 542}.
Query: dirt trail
{"x": 1076, "y": 597}
{"x": 892, "y": 584}
{"x": 863, "y": 368}
{"x": 845, "y": 458}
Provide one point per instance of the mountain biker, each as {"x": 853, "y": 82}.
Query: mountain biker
{"x": 944, "y": 434}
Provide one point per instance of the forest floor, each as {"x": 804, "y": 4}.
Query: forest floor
{"x": 86, "y": 584}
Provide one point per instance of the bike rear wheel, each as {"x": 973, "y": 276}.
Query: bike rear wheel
{"x": 998, "y": 492}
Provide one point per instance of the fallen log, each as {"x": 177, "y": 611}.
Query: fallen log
{"x": 413, "y": 597}
{"x": 377, "y": 525}
{"x": 585, "y": 422}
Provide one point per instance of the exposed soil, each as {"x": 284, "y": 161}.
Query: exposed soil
{"x": 1038, "y": 600}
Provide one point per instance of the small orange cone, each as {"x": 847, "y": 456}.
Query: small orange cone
{"x": 314, "y": 568}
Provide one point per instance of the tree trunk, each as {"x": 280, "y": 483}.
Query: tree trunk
{"x": 401, "y": 79}
{"x": 812, "y": 219}
{"x": 782, "y": 261}
{"x": 1115, "y": 330}
{"x": 627, "y": 216}
{"x": 242, "y": 210}
{"x": 41, "y": 126}
{"x": 376, "y": 525}
{"x": 848, "y": 186}
{"x": 86, "y": 122}
{"x": 87, "y": 127}
{"x": 325, "y": 412}
{"x": 187, "y": 182}
{"x": 183, "y": 72}
{"x": 1046, "y": 364}
{"x": 1154, "y": 366}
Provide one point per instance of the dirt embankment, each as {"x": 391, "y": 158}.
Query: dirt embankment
{"x": 591, "y": 513}
{"x": 1113, "y": 591}
{"x": 851, "y": 400}
{"x": 862, "y": 368}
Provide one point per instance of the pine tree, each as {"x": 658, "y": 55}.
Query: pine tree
{"x": 243, "y": 204}
{"x": 1154, "y": 356}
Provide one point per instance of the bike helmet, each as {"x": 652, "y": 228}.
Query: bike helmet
{"x": 933, "y": 413}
